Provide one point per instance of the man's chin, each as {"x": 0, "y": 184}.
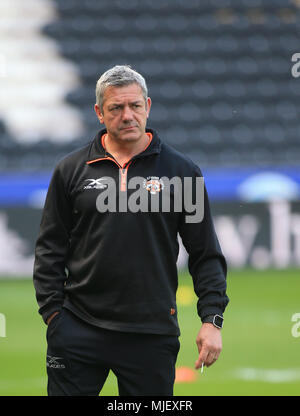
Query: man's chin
{"x": 134, "y": 132}
{"x": 130, "y": 134}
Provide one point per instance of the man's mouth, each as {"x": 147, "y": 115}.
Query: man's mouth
{"x": 128, "y": 128}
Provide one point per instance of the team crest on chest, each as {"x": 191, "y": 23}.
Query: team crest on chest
{"x": 153, "y": 184}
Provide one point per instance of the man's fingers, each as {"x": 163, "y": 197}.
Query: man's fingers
{"x": 211, "y": 358}
{"x": 202, "y": 358}
{"x": 208, "y": 357}
{"x": 199, "y": 363}
{"x": 209, "y": 343}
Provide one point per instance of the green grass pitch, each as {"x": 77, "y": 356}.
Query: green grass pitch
{"x": 260, "y": 354}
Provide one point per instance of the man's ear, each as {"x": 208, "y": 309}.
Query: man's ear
{"x": 149, "y": 102}
{"x": 99, "y": 113}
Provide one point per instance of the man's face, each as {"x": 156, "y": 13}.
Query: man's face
{"x": 124, "y": 112}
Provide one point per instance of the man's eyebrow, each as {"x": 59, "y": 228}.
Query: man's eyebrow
{"x": 119, "y": 104}
{"x": 113, "y": 104}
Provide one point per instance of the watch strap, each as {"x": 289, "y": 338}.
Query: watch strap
{"x": 216, "y": 320}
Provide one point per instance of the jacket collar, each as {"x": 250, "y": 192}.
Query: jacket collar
{"x": 97, "y": 150}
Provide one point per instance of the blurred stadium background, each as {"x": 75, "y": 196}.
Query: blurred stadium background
{"x": 223, "y": 77}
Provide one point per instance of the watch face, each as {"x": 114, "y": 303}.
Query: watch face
{"x": 218, "y": 321}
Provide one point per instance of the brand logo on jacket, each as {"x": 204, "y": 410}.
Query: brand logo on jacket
{"x": 52, "y": 362}
{"x": 95, "y": 184}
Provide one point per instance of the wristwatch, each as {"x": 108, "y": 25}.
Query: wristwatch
{"x": 216, "y": 320}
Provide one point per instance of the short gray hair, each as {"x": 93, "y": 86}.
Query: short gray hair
{"x": 118, "y": 76}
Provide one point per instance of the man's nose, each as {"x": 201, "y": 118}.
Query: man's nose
{"x": 127, "y": 114}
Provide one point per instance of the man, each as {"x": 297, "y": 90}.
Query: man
{"x": 105, "y": 268}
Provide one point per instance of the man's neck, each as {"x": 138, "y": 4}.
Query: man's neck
{"x": 125, "y": 151}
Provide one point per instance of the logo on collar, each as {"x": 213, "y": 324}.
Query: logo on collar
{"x": 153, "y": 184}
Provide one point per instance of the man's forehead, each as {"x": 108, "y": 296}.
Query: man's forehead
{"x": 132, "y": 92}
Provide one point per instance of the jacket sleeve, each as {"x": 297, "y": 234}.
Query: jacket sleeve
{"x": 206, "y": 262}
{"x": 49, "y": 274}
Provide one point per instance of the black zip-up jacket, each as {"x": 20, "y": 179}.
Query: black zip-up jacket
{"x": 117, "y": 270}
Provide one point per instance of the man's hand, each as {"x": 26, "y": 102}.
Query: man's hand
{"x": 51, "y": 317}
{"x": 209, "y": 343}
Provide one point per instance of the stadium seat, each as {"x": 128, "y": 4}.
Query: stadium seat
{"x": 218, "y": 72}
